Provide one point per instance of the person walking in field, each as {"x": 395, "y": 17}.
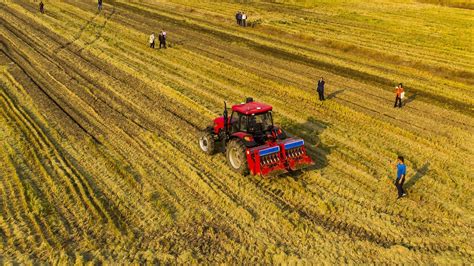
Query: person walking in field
{"x": 320, "y": 89}
{"x": 399, "y": 95}
{"x": 41, "y": 7}
{"x": 401, "y": 173}
{"x": 244, "y": 20}
{"x": 152, "y": 40}
{"x": 99, "y": 5}
{"x": 239, "y": 18}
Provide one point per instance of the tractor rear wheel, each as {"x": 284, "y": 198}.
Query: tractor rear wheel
{"x": 207, "y": 143}
{"x": 236, "y": 157}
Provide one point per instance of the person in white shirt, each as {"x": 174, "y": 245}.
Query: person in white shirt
{"x": 244, "y": 20}
{"x": 152, "y": 40}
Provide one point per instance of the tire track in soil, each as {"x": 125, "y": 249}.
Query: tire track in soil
{"x": 354, "y": 231}
{"x": 82, "y": 184}
{"x": 33, "y": 131}
{"x": 55, "y": 63}
{"x": 183, "y": 119}
{"x": 6, "y": 52}
{"x": 28, "y": 218}
{"x": 78, "y": 186}
{"x": 332, "y": 224}
{"x": 102, "y": 27}
{"x": 105, "y": 198}
{"x": 47, "y": 174}
{"x": 54, "y": 156}
{"x": 78, "y": 34}
{"x": 121, "y": 77}
{"x": 15, "y": 219}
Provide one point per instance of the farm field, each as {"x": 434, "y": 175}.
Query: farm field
{"x": 99, "y": 160}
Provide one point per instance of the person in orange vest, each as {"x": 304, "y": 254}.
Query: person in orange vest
{"x": 398, "y": 98}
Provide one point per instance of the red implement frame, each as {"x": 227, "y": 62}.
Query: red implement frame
{"x": 278, "y": 157}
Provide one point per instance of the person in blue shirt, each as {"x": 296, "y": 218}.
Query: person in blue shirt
{"x": 401, "y": 173}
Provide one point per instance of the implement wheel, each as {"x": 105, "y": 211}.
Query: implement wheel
{"x": 236, "y": 157}
{"x": 207, "y": 143}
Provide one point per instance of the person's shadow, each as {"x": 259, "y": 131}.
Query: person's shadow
{"x": 410, "y": 99}
{"x": 334, "y": 94}
{"x": 418, "y": 175}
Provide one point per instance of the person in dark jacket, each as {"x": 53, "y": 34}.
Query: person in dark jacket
{"x": 99, "y": 5}
{"x": 41, "y": 7}
{"x": 237, "y": 17}
{"x": 162, "y": 39}
{"x": 401, "y": 173}
{"x": 320, "y": 89}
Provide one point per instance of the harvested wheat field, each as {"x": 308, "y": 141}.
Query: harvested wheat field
{"x": 99, "y": 154}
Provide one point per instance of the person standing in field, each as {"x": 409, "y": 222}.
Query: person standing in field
{"x": 41, "y": 7}
{"x": 320, "y": 89}
{"x": 99, "y": 5}
{"x": 244, "y": 20}
{"x": 401, "y": 173}
{"x": 399, "y": 92}
{"x": 152, "y": 40}
{"x": 237, "y": 17}
{"x": 162, "y": 39}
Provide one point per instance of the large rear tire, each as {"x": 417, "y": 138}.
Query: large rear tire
{"x": 207, "y": 143}
{"x": 236, "y": 157}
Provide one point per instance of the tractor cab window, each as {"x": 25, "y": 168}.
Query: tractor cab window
{"x": 234, "y": 121}
{"x": 243, "y": 122}
{"x": 239, "y": 122}
{"x": 260, "y": 122}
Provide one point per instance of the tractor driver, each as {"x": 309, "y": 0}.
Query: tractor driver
{"x": 243, "y": 123}
{"x": 260, "y": 123}
{"x": 252, "y": 124}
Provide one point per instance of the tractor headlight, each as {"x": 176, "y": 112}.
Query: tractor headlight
{"x": 248, "y": 138}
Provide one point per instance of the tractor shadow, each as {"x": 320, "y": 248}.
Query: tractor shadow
{"x": 421, "y": 172}
{"x": 334, "y": 94}
{"x": 310, "y": 131}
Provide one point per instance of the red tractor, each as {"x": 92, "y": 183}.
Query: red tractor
{"x": 252, "y": 143}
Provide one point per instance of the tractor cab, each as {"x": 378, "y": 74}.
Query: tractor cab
{"x": 252, "y": 119}
{"x": 252, "y": 124}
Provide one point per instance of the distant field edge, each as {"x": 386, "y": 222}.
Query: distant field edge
{"x": 469, "y": 4}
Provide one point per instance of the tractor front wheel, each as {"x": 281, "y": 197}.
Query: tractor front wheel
{"x": 207, "y": 143}
{"x": 236, "y": 157}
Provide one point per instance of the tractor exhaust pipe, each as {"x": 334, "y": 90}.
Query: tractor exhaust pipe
{"x": 226, "y": 127}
